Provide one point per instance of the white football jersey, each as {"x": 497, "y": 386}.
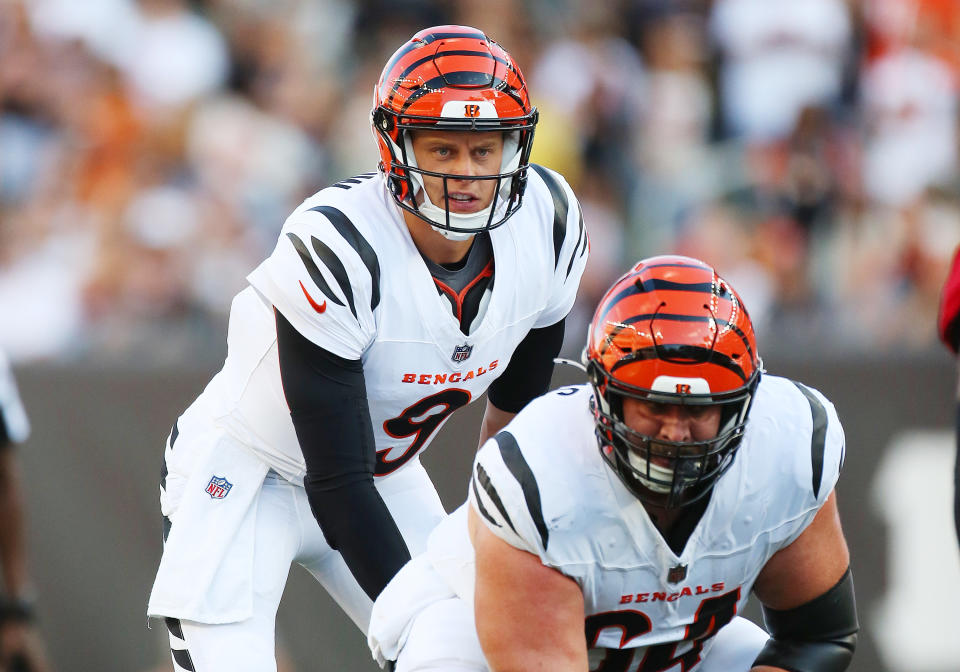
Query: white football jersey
{"x": 543, "y": 486}
{"x": 347, "y": 275}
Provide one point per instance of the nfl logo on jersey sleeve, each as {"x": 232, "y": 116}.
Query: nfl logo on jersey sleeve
{"x": 461, "y": 352}
{"x": 218, "y": 487}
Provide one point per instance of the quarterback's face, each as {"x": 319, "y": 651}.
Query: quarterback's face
{"x": 671, "y": 422}
{"x": 460, "y": 153}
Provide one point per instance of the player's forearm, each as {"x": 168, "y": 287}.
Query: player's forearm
{"x": 493, "y": 421}
{"x": 367, "y": 537}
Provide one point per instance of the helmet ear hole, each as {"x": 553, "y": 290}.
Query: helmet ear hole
{"x": 382, "y": 120}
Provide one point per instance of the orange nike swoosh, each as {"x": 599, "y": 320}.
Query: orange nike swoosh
{"x": 319, "y": 307}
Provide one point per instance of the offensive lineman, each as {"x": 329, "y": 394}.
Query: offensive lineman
{"x": 391, "y": 300}
{"x": 643, "y": 509}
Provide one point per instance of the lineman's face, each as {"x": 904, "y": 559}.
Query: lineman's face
{"x": 671, "y": 422}
{"x": 462, "y": 153}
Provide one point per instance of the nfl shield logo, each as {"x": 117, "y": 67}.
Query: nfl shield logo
{"x": 218, "y": 487}
{"x": 461, "y": 352}
{"x": 677, "y": 574}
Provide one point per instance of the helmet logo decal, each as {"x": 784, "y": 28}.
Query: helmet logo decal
{"x": 681, "y": 385}
{"x": 468, "y": 109}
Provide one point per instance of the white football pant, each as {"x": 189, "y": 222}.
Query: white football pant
{"x": 287, "y": 532}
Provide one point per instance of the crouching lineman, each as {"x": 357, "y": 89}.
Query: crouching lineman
{"x": 643, "y": 509}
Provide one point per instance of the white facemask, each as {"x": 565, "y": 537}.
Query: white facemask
{"x": 474, "y": 221}
{"x": 664, "y": 475}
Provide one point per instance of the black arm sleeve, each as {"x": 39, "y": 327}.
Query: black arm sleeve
{"x": 530, "y": 369}
{"x": 327, "y": 397}
{"x": 819, "y": 636}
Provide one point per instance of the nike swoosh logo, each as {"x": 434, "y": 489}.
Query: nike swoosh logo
{"x": 319, "y": 307}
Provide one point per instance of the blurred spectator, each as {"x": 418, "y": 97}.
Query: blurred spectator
{"x": 910, "y": 108}
{"x": 809, "y": 146}
{"x": 21, "y": 647}
{"x": 778, "y": 57}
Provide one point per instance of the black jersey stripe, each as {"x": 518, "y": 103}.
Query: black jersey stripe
{"x": 345, "y": 228}
{"x": 513, "y": 458}
{"x": 173, "y": 625}
{"x": 480, "y": 507}
{"x": 581, "y": 240}
{"x": 163, "y": 473}
{"x": 312, "y": 268}
{"x": 335, "y": 266}
{"x": 560, "y": 208}
{"x": 183, "y": 659}
{"x": 494, "y": 496}
{"x": 818, "y": 438}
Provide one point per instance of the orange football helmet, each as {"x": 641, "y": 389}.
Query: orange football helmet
{"x": 453, "y": 78}
{"x": 671, "y": 331}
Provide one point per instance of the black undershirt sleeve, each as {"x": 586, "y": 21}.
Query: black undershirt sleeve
{"x": 530, "y": 369}
{"x": 327, "y": 397}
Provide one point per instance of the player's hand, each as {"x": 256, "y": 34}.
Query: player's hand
{"x": 21, "y": 649}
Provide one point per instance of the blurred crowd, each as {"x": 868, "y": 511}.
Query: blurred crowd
{"x": 151, "y": 149}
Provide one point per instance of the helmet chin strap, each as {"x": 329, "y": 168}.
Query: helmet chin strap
{"x": 474, "y": 221}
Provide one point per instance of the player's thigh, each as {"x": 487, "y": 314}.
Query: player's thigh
{"x": 735, "y": 647}
{"x": 443, "y": 638}
{"x": 246, "y": 646}
{"x": 414, "y": 504}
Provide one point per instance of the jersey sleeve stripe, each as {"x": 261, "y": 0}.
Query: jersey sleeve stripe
{"x": 491, "y": 491}
{"x": 345, "y": 228}
{"x": 513, "y": 458}
{"x": 173, "y": 625}
{"x": 480, "y": 507}
{"x": 818, "y": 438}
{"x": 313, "y": 269}
{"x": 580, "y": 241}
{"x": 335, "y": 266}
{"x": 560, "y": 208}
{"x": 182, "y": 658}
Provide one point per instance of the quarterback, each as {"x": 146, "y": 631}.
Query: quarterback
{"x": 392, "y": 299}
{"x": 621, "y": 525}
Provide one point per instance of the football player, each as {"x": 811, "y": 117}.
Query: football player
{"x": 21, "y": 647}
{"x": 643, "y": 508}
{"x": 948, "y": 326}
{"x": 392, "y": 299}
